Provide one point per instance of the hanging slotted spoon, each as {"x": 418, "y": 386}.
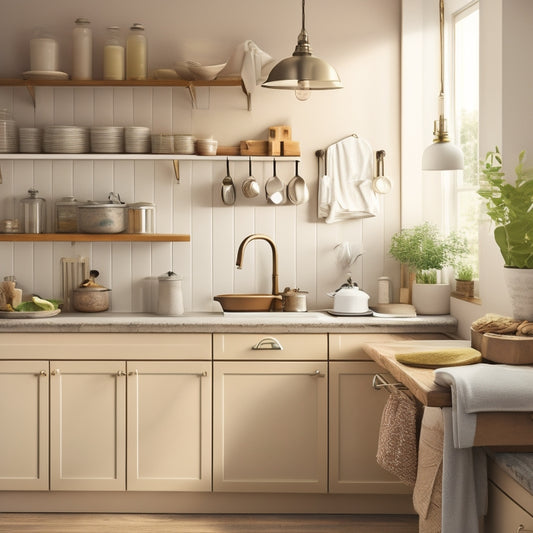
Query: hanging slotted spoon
{"x": 297, "y": 190}
{"x": 228, "y": 188}
{"x": 274, "y": 188}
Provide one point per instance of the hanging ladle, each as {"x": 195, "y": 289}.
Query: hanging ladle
{"x": 297, "y": 190}
{"x": 250, "y": 187}
{"x": 228, "y": 188}
{"x": 274, "y": 188}
{"x": 381, "y": 184}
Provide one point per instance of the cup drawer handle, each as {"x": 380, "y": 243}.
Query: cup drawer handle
{"x": 268, "y": 343}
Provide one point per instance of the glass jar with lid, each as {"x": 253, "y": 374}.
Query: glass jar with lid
{"x": 33, "y": 211}
{"x": 136, "y": 58}
{"x": 82, "y": 50}
{"x": 113, "y": 55}
{"x": 67, "y": 215}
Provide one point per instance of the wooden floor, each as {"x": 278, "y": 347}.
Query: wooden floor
{"x": 169, "y": 523}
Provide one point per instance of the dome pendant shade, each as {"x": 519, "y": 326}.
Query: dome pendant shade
{"x": 302, "y": 68}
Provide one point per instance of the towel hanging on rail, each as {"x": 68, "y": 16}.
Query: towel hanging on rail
{"x": 345, "y": 191}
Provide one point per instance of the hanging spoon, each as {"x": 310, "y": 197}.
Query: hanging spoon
{"x": 228, "y": 188}
{"x": 297, "y": 190}
{"x": 274, "y": 188}
{"x": 250, "y": 187}
{"x": 381, "y": 184}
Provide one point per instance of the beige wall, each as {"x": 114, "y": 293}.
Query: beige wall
{"x": 360, "y": 38}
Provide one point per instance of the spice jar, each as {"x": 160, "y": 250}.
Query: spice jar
{"x": 113, "y": 55}
{"x": 136, "y": 67}
{"x": 33, "y": 213}
{"x": 67, "y": 215}
{"x": 82, "y": 50}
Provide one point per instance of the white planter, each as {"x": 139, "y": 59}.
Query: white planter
{"x": 431, "y": 298}
{"x": 519, "y": 283}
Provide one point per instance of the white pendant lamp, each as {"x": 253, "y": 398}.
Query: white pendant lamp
{"x": 303, "y": 72}
{"x": 442, "y": 154}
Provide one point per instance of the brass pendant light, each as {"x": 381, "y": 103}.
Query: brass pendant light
{"x": 303, "y": 72}
{"x": 442, "y": 154}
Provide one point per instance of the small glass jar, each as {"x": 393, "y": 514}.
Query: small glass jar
{"x": 67, "y": 215}
{"x": 113, "y": 55}
{"x": 136, "y": 58}
{"x": 82, "y": 50}
{"x": 33, "y": 213}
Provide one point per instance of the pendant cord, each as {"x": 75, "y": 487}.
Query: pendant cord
{"x": 441, "y": 47}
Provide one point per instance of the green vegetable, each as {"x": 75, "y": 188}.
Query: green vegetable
{"x": 33, "y": 306}
{"x": 43, "y": 304}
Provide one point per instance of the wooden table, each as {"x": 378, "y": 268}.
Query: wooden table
{"x": 509, "y": 431}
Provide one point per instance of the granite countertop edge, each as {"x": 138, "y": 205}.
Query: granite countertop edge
{"x": 312, "y": 322}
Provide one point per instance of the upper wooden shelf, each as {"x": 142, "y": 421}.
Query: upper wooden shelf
{"x": 93, "y": 237}
{"x": 188, "y": 84}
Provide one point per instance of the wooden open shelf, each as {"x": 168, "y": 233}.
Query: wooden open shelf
{"x": 93, "y": 237}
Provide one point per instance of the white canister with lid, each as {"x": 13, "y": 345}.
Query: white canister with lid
{"x": 170, "y": 296}
{"x": 44, "y": 51}
{"x": 82, "y": 50}
{"x": 136, "y": 59}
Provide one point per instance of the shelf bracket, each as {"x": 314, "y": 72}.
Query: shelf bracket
{"x": 248, "y": 96}
{"x": 176, "y": 164}
{"x": 192, "y": 93}
{"x": 31, "y": 91}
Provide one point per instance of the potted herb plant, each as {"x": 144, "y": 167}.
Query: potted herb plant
{"x": 510, "y": 206}
{"x": 464, "y": 280}
{"x": 425, "y": 251}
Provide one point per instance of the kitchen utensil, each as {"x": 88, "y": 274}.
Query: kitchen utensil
{"x": 297, "y": 190}
{"x": 348, "y": 298}
{"x": 250, "y": 187}
{"x": 228, "y": 188}
{"x": 170, "y": 296}
{"x": 274, "y": 188}
{"x": 380, "y": 183}
{"x": 90, "y": 297}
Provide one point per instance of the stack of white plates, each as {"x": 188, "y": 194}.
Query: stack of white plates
{"x": 30, "y": 140}
{"x": 183, "y": 144}
{"x": 66, "y": 140}
{"x": 137, "y": 139}
{"x": 8, "y": 136}
{"x": 162, "y": 143}
{"x": 107, "y": 139}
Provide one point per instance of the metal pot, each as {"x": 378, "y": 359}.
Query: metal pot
{"x": 90, "y": 297}
{"x": 103, "y": 217}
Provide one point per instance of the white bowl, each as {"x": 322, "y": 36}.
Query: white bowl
{"x": 192, "y": 70}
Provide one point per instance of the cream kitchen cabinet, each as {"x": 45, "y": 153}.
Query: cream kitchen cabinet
{"x": 24, "y": 423}
{"x": 270, "y": 416}
{"x": 169, "y": 425}
{"x": 87, "y": 425}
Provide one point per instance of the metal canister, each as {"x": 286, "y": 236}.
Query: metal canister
{"x": 67, "y": 215}
{"x": 141, "y": 217}
{"x": 294, "y": 300}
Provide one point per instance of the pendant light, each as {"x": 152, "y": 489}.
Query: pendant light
{"x": 442, "y": 154}
{"x": 303, "y": 72}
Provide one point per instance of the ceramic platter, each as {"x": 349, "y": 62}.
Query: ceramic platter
{"x": 44, "y": 75}
{"x": 338, "y": 313}
{"x": 29, "y": 314}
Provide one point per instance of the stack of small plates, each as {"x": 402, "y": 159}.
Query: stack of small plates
{"x": 66, "y": 140}
{"x": 162, "y": 143}
{"x": 30, "y": 140}
{"x": 183, "y": 144}
{"x": 137, "y": 139}
{"x": 107, "y": 139}
{"x": 8, "y": 136}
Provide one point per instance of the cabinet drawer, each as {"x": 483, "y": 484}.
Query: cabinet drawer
{"x": 261, "y": 347}
{"x": 349, "y": 346}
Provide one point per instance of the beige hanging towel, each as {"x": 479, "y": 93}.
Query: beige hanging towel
{"x": 397, "y": 443}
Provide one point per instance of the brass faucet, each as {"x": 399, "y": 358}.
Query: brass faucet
{"x": 240, "y": 254}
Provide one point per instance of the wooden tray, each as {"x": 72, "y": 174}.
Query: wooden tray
{"x": 507, "y": 349}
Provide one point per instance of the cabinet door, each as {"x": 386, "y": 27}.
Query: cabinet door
{"x": 24, "y": 423}
{"x": 169, "y": 426}
{"x": 270, "y": 427}
{"x": 355, "y": 410}
{"x": 504, "y": 515}
{"x": 87, "y": 425}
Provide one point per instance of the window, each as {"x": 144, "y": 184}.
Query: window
{"x": 465, "y": 200}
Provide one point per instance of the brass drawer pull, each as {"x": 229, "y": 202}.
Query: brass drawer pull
{"x": 42, "y": 373}
{"x": 268, "y": 343}
{"x": 317, "y": 374}
{"x": 55, "y": 372}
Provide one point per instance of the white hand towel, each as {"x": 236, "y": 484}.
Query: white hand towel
{"x": 482, "y": 388}
{"x": 350, "y": 170}
{"x": 247, "y": 61}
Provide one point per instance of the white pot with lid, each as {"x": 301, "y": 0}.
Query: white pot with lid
{"x": 349, "y": 299}
{"x": 170, "y": 296}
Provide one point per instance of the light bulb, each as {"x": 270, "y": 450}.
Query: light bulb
{"x": 303, "y": 92}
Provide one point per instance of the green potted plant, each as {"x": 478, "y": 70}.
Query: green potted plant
{"x": 464, "y": 280}
{"x": 510, "y": 206}
{"x": 425, "y": 251}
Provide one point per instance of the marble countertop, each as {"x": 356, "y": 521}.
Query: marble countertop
{"x": 310, "y": 322}
{"x": 519, "y": 466}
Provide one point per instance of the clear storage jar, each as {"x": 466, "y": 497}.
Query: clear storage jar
{"x": 113, "y": 55}
{"x": 67, "y": 215}
{"x": 136, "y": 58}
{"x": 82, "y": 50}
{"x": 33, "y": 211}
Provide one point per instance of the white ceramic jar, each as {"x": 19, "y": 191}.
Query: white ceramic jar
{"x": 44, "y": 52}
{"x": 82, "y": 50}
{"x": 170, "y": 296}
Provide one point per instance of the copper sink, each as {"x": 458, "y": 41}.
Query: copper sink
{"x": 247, "y": 302}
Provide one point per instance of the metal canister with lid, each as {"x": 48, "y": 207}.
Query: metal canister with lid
{"x": 67, "y": 215}
{"x": 170, "y": 296}
{"x": 141, "y": 217}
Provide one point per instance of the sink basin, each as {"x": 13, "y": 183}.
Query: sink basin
{"x": 246, "y": 302}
